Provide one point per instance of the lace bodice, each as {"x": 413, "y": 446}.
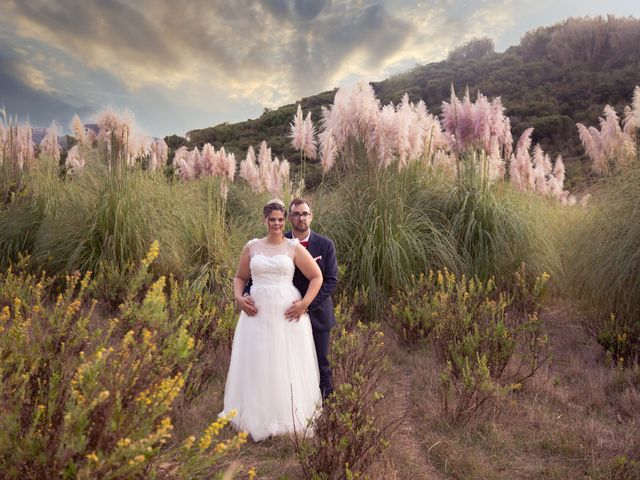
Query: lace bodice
{"x": 272, "y": 264}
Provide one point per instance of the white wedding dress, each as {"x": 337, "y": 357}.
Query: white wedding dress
{"x": 273, "y": 379}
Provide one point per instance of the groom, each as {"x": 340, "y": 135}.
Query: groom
{"x": 320, "y": 311}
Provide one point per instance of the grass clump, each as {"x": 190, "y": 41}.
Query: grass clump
{"x": 497, "y": 228}
{"x": 386, "y": 230}
{"x": 603, "y": 264}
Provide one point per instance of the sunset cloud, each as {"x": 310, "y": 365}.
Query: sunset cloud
{"x": 225, "y": 57}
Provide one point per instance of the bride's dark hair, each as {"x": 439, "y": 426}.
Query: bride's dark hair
{"x": 275, "y": 204}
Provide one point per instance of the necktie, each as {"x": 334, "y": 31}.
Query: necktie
{"x": 305, "y": 243}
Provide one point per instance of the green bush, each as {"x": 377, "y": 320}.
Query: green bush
{"x": 352, "y": 429}
{"x": 88, "y": 397}
{"x": 475, "y": 334}
{"x": 21, "y": 220}
{"x": 112, "y": 218}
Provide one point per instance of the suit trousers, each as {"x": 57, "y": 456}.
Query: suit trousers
{"x": 321, "y": 340}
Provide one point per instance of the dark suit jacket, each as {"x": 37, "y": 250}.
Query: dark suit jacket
{"x": 321, "y": 309}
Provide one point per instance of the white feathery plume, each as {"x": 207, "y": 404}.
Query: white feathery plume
{"x": 309, "y": 132}
{"x": 328, "y": 150}
{"x": 297, "y": 130}
{"x": 49, "y": 144}
{"x": 79, "y": 130}
{"x": 208, "y": 160}
{"x": 74, "y": 161}
{"x": 539, "y": 170}
{"x": 249, "y": 170}
{"x": 180, "y": 153}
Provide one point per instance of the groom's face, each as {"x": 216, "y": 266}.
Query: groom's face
{"x": 300, "y": 217}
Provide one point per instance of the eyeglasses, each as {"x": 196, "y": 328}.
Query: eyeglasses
{"x": 298, "y": 215}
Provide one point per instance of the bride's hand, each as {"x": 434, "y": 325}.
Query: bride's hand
{"x": 296, "y": 309}
{"x": 247, "y": 305}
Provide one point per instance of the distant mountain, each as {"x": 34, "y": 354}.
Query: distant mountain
{"x": 555, "y": 77}
{"x": 38, "y": 133}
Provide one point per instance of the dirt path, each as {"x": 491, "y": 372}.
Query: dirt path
{"x": 408, "y": 453}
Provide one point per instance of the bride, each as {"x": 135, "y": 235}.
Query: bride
{"x": 273, "y": 375}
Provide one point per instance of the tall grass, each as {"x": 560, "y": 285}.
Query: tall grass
{"x": 603, "y": 262}
{"x": 385, "y": 231}
{"x": 389, "y": 225}
{"x": 112, "y": 218}
{"x": 103, "y": 221}
{"x": 497, "y": 229}
{"x": 208, "y": 235}
{"x": 22, "y": 218}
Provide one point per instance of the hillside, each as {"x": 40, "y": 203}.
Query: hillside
{"x": 555, "y": 77}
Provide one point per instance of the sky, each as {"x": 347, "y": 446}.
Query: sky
{"x": 185, "y": 64}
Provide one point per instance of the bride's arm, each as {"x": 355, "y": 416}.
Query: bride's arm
{"x": 310, "y": 269}
{"x": 243, "y": 274}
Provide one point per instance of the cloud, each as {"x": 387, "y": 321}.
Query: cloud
{"x": 29, "y": 99}
{"x": 283, "y": 45}
{"x": 210, "y": 54}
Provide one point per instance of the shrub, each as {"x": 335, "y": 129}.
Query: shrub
{"x": 351, "y": 430}
{"x": 211, "y": 320}
{"x": 84, "y": 397}
{"x": 474, "y": 333}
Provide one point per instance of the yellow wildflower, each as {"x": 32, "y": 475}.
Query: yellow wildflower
{"x": 152, "y": 254}
{"x": 251, "y": 474}
{"x": 188, "y": 443}
{"x": 123, "y": 442}
{"x": 72, "y": 308}
{"x": 93, "y": 457}
{"x": 205, "y": 442}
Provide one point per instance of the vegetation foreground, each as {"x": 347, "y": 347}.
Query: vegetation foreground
{"x": 488, "y": 327}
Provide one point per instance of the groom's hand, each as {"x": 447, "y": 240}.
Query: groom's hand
{"x": 296, "y": 309}
{"x": 247, "y": 305}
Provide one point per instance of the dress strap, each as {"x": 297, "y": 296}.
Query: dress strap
{"x": 250, "y": 245}
{"x": 292, "y": 243}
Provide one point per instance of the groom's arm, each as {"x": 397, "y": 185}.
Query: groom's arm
{"x": 330, "y": 276}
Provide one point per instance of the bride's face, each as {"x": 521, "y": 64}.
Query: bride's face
{"x": 275, "y": 222}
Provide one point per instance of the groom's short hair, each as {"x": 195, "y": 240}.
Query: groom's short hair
{"x": 298, "y": 201}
